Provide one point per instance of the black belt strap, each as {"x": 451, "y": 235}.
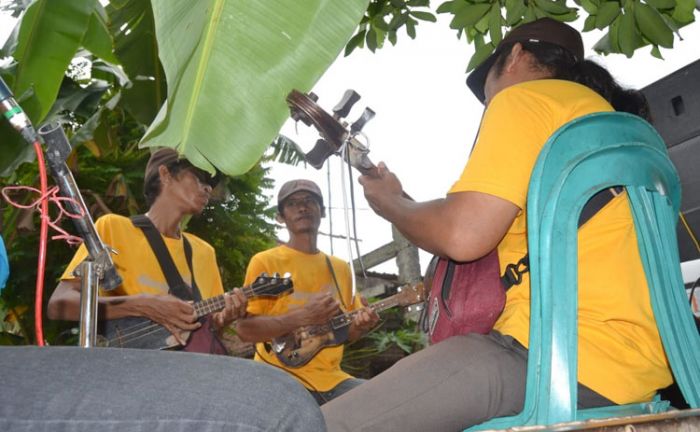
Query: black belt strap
{"x": 513, "y": 274}
{"x": 177, "y": 286}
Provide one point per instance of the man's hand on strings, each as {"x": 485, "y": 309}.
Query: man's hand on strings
{"x": 236, "y": 304}
{"x": 319, "y": 309}
{"x": 176, "y": 315}
{"x": 364, "y": 320}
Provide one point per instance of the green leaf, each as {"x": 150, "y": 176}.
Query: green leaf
{"x": 480, "y": 55}
{"x": 424, "y": 3}
{"x": 469, "y": 15}
{"x": 231, "y": 65}
{"x": 607, "y": 12}
{"x": 628, "y": 36}
{"x": 653, "y": 26}
{"x": 371, "y": 39}
{"x": 495, "y": 29}
{"x": 589, "y": 23}
{"x": 97, "y": 38}
{"x": 482, "y": 25}
{"x": 603, "y": 46}
{"x": 684, "y": 13}
{"x": 355, "y": 41}
{"x": 15, "y": 151}
{"x": 589, "y": 6}
{"x": 51, "y": 33}
{"x": 656, "y": 52}
{"x": 397, "y": 21}
{"x": 78, "y": 100}
{"x": 423, "y": 16}
{"x": 86, "y": 132}
{"x": 552, "y": 7}
{"x": 448, "y": 6}
{"x": 614, "y": 32}
{"x": 515, "y": 9}
{"x": 661, "y": 4}
{"x": 392, "y": 37}
{"x": 133, "y": 29}
{"x": 411, "y": 28}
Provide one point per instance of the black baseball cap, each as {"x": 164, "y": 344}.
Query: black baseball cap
{"x": 542, "y": 30}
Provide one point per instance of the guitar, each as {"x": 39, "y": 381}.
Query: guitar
{"x": 448, "y": 311}
{"x": 297, "y": 348}
{"x": 142, "y": 333}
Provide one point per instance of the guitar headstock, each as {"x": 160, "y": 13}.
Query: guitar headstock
{"x": 334, "y": 130}
{"x": 410, "y": 294}
{"x": 272, "y": 285}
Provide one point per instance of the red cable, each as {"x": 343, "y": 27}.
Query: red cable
{"x": 43, "y": 234}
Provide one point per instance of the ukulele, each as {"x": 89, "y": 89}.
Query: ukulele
{"x": 297, "y": 348}
{"x": 137, "y": 332}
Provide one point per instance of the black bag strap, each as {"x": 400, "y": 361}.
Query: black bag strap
{"x": 513, "y": 274}
{"x": 176, "y": 284}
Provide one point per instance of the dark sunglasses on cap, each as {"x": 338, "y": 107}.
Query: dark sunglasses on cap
{"x": 204, "y": 177}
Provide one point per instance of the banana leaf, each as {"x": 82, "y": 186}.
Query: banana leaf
{"x": 229, "y": 67}
{"x": 50, "y": 34}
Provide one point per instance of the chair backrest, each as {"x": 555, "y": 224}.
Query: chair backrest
{"x": 585, "y": 156}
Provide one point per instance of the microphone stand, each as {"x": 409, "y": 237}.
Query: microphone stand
{"x": 97, "y": 269}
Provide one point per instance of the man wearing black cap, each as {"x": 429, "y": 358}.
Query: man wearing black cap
{"x": 173, "y": 189}
{"x": 322, "y": 289}
{"x": 535, "y": 82}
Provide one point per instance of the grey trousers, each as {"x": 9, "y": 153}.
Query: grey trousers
{"x": 457, "y": 383}
{"x": 102, "y": 389}
{"x": 342, "y": 388}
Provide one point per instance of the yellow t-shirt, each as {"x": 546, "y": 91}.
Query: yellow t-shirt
{"x": 310, "y": 275}
{"x": 138, "y": 265}
{"x": 620, "y": 351}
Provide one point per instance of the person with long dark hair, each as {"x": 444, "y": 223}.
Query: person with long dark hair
{"x": 536, "y": 81}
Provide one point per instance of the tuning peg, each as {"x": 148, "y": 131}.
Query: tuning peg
{"x": 287, "y": 275}
{"x": 318, "y": 155}
{"x": 342, "y": 109}
{"x": 366, "y": 116}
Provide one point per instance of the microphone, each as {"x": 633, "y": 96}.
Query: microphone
{"x": 10, "y": 109}
{"x": 57, "y": 150}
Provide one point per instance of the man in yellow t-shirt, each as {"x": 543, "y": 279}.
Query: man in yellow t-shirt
{"x": 535, "y": 82}
{"x": 174, "y": 189}
{"x": 322, "y": 290}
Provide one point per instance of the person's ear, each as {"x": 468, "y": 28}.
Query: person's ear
{"x": 517, "y": 54}
{"x": 279, "y": 218}
{"x": 323, "y": 211}
{"x": 164, "y": 174}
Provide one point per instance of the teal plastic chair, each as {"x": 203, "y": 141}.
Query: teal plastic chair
{"x": 585, "y": 156}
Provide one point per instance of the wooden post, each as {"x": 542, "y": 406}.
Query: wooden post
{"x": 407, "y": 259}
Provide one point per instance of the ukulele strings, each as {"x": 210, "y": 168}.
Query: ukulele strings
{"x": 135, "y": 331}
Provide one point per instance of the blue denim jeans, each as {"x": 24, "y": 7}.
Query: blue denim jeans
{"x": 106, "y": 389}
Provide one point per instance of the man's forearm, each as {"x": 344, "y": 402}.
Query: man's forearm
{"x": 260, "y": 328}
{"x": 65, "y": 304}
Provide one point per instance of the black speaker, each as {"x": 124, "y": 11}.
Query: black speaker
{"x": 674, "y": 102}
